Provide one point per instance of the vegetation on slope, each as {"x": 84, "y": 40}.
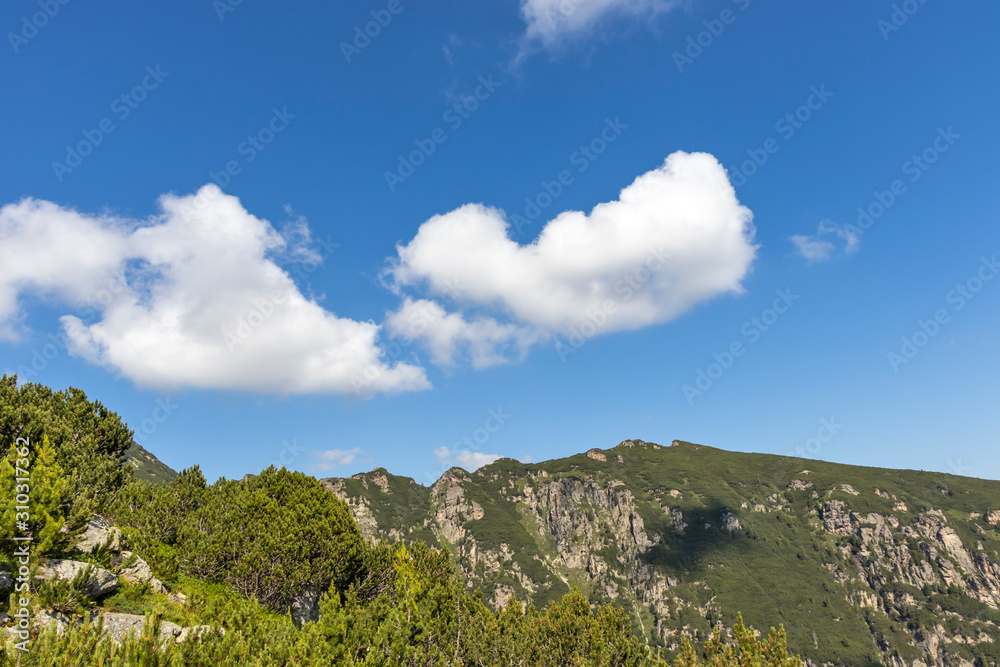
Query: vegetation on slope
{"x": 147, "y": 467}
{"x": 732, "y": 532}
{"x": 244, "y": 551}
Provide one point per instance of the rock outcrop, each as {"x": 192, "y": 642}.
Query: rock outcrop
{"x": 305, "y": 606}
{"x": 99, "y": 533}
{"x": 100, "y": 583}
{"x": 119, "y": 626}
{"x": 135, "y": 570}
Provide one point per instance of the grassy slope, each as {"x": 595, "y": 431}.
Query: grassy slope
{"x": 147, "y": 467}
{"x": 772, "y": 570}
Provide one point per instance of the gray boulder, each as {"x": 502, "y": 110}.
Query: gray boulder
{"x": 6, "y": 581}
{"x": 97, "y": 534}
{"x": 305, "y": 606}
{"x": 197, "y": 631}
{"x": 177, "y": 598}
{"x": 101, "y": 581}
{"x": 46, "y": 617}
{"x": 118, "y": 626}
{"x": 138, "y": 572}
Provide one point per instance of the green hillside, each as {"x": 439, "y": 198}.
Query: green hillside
{"x": 101, "y": 567}
{"x": 861, "y": 565}
{"x": 147, "y": 467}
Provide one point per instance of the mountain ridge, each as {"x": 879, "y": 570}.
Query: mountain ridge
{"x": 862, "y": 565}
{"x": 147, "y": 467}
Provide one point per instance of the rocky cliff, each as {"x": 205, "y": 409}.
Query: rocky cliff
{"x": 862, "y": 566}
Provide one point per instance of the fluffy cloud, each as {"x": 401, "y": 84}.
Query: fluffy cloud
{"x": 336, "y": 458}
{"x": 551, "y": 21}
{"x": 676, "y": 237}
{"x": 820, "y": 246}
{"x": 466, "y": 459}
{"x": 51, "y": 251}
{"x": 485, "y": 341}
{"x": 191, "y": 297}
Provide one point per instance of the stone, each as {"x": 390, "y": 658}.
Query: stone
{"x": 138, "y": 572}
{"x": 196, "y": 631}
{"x": 993, "y": 517}
{"x": 47, "y": 618}
{"x": 101, "y": 581}
{"x": 6, "y": 581}
{"x": 305, "y": 606}
{"x": 597, "y": 455}
{"x": 97, "y": 533}
{"x": 380, "y": 480}
{"x": 119, "y": 626}
{"x": 178, "y": 598}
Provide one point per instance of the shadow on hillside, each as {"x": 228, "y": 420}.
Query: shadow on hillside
{"x": 684, "y": 550}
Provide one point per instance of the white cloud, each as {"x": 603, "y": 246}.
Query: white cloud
{"x": 446, "y": 335}
{"x": 469, "y": 460}
{"x": 336, "y": 458}
{"x": 198, "y": 300}
{"x": 676, "y": 237}
{"x": 551, "y": 21}
{"x": 818, "y": 247}
{"x": 53, "y": 252}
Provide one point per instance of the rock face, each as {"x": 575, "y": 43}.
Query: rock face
{"x": 100, "y": 583}
{"x": 98, "y": 533}
{"x": 846, "y": 558}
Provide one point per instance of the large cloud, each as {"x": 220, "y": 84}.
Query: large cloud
{"x": 676, "y": 237}
{"x": 551, "y": 21}
{"x": 192, "y": 297}
{"x": 483, "y": 340}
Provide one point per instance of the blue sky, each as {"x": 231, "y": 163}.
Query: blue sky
{"x": 341, "y": 258}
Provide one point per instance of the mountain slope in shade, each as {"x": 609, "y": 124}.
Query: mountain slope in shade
{"x": 863, "y": 566}
{"x": 147, "y": 467}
